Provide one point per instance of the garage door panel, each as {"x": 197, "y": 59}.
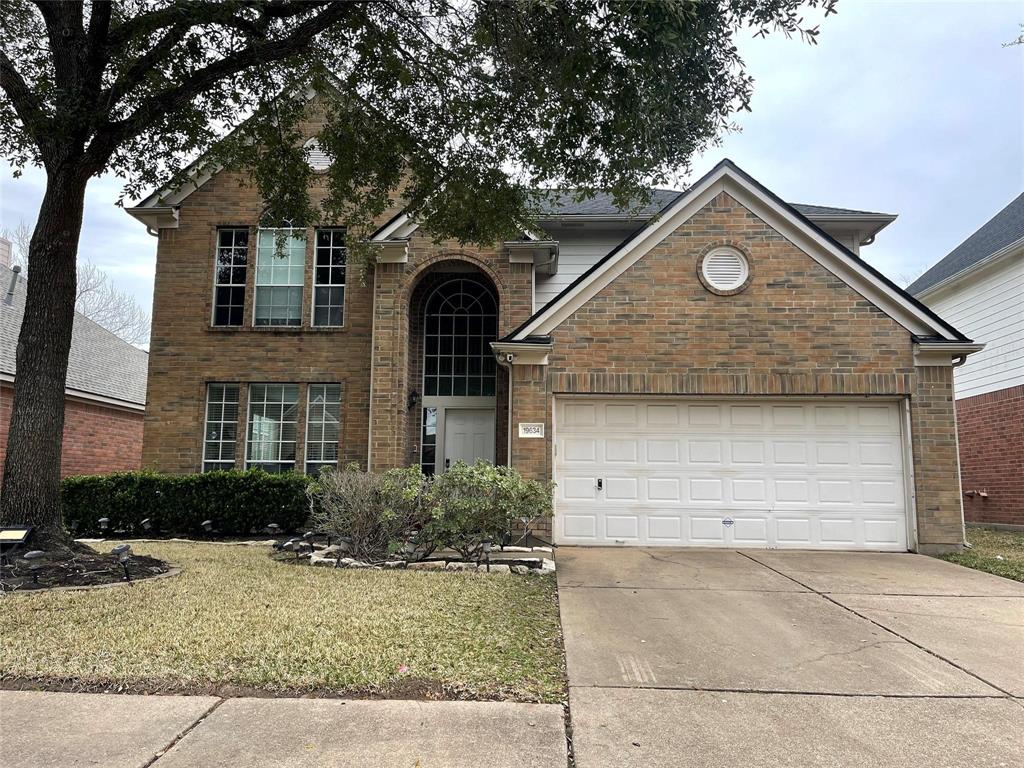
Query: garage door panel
{"x": 730, "y": 474}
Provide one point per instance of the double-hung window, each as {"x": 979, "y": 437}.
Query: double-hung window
{"x": 280, "y": 274}
{"x": 221, "y": 431}
{"x": 329, "y": 278}
{"x": 323, "y": 417}
{"x": 273, "y": 418}
{"x": 229, "y": 277}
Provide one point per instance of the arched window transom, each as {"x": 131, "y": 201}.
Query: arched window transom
{"x": 460, "y": 322}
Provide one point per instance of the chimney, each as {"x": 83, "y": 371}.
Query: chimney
{"x": 5, "y": 252}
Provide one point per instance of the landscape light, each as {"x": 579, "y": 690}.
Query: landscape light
{"x": 486, "y": 547}
{"x": 146, "y": 524}
{"x": 123, "y": 552}
{"x": 273, "y": 529}
{"x": 207, "y": 525}
{"x": 104, "y": 523}
{"x": 32, "y": 556}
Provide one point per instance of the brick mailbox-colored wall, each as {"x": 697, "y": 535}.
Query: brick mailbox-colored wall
{"x": 991, "y": 428}
{"x": 98, "y": 439}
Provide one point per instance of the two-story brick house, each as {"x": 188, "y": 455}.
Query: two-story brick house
{"x": 721, "y": 369}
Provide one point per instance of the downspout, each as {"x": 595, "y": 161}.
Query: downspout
{"x": 508, "y": 430}
{"x": 373, "y": 360}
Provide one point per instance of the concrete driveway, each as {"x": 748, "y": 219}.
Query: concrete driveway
{"x": 768, "y": 658}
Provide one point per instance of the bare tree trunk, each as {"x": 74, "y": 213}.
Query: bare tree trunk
{"x": 31, "y": 484}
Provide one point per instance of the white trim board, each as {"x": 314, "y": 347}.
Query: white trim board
{"x": 726, "y": 177}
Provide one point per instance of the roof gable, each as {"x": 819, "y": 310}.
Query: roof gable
{"x": 784, "y": 218}
{"x": 99, "y": 363}
{"x": 1001, "y": 232}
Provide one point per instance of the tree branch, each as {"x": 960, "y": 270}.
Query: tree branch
{"x": 26, "y": 103}
{"x": 111, "y": 135}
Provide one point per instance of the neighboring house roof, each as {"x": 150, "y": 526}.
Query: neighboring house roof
{"x": 100, "y": 364}
{"x": 922, "y": 322}
{"x": 1001, "y": 232}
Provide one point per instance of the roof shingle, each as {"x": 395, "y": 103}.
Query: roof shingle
{"x": 100, "y": 363}
{"x": 1002, "y": 230}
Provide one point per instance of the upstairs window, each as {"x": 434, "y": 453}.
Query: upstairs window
{"x": 323, "y": 417}
{"x": 229, "y": 277}
{"x": 279, "y": 277}
{"x": 221, "y": 427}
{"x": 273, "y": 419}
{"x": 329, "y": 278}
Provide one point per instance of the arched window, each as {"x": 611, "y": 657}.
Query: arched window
{"x": 460, "y": 322}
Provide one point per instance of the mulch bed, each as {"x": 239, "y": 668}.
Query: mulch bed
{"x": 80, "y": 567}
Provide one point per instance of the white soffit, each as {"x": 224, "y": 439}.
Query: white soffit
{"x": 804, "y": 236}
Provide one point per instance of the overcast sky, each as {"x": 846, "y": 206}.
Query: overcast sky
{"x": 912, "y": 108}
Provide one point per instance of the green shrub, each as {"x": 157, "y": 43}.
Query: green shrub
{"x": 471, "y": 504}
{"x": 238, "y": 502}
{"x": 376, "y": 514}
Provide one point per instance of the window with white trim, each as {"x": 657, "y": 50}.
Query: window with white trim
{"x": 316, "y": 157}
{"x": 329, "y": 278}
{"x": 221, "y": 432}
{"x": 725, "y": 269}
{"x": 273, "y": 422}
{"x": 323, "y": 419}
{"x": 280, "y": 274}
{"x": 229, "y": 275}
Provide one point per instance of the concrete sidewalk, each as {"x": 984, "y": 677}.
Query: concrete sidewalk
{"x": 42, "y": 730}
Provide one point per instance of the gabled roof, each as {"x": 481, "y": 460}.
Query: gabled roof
{"x": 797, "y": 227}
{"x": 100, "y": 364}
{"x": 1001, "y": 232}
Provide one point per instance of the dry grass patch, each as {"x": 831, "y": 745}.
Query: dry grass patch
{"x": 236, "y": 618}
{"x": 998, "y": 552}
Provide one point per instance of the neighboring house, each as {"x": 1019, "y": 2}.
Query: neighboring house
{"x": 105, "y": 395}
{"x": 979, "y": 287}
{"x": 726, "y": 373}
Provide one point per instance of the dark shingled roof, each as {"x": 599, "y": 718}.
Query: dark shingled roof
{"x": 1002, "y": 230}
{"x": 100, "y": 363}
{"x": 562, "y": 202}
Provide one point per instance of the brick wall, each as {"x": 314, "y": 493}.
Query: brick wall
{"x": 97, "y": 438}
{"x": 795, "y": 330}
{"x": 991, "y": 428}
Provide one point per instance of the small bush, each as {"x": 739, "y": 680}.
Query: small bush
{"x": 375, "y": 513}
{"x": 471, "y": 504}
{"x": 238, "y": 502}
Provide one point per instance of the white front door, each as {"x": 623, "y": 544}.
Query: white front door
{"x": 468, "y": 435}
{"x": 823, "y": 474}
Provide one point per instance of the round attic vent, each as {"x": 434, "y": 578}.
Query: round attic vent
{"x": 317, "y": 158}
{"x": 725, "y": 269}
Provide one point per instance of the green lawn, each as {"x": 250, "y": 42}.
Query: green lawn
{"x": 987, "y": 547}
{"x": 236, "y": 618}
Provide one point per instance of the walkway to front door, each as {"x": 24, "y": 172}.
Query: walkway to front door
{"x": 768, "y": 658}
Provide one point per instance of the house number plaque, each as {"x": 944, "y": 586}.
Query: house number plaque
{"x": 531, "y": 429}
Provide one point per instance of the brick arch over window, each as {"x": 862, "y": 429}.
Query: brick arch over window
{"x": 441, "y": 272}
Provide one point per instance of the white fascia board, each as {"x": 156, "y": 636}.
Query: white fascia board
{"x": 819, "y": 247}
{"x": 943, "y": 352}
{"x": 92, "y": 397}
{"x": 400, "y": 227}
{"x": 156, "y": 217}
{"x": 521, "y": 353}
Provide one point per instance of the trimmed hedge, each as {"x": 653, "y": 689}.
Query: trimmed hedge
{"x": 238, "y": 502}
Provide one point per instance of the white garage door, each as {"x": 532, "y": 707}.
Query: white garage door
{"x": 739, "y": 473}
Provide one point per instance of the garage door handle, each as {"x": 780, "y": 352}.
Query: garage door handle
{"x": 600, "y": 483}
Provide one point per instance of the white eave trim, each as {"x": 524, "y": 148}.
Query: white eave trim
{"x": 157, "y": 216}
{"x": 394, "y": 251}
{"x": 92, "y": 397}
{"x": 521, "y": 353}
{"x": 943, "y": 352}
{"x": 804, "y": 236}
